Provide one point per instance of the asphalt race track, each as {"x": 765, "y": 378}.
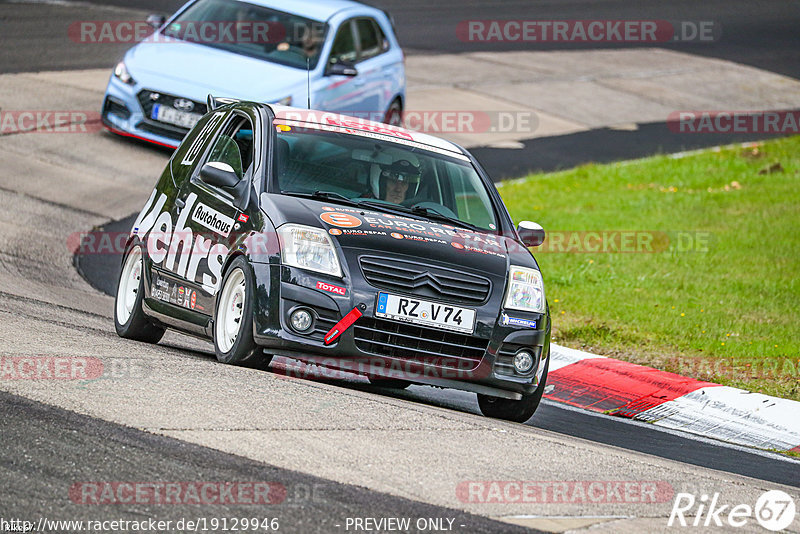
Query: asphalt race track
{"x": 340, "y": 448}
{"x": 98, "y": 450}
{"x": 102, "y": 271}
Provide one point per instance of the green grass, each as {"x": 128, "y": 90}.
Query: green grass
{"x": 725, "y": 310}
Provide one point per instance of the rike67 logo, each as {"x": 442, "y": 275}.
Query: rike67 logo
{"x": 774, "y": 510}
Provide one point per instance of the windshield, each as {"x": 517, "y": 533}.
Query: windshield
{"x": 381, "y": 174}
{"x": 251, "y": 30}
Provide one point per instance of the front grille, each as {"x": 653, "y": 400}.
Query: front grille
{"x": 504, "y": 363}
{"x": 147, "y": 99}
{"x": 424, "y": 345}
{"x": 425, "y": 281}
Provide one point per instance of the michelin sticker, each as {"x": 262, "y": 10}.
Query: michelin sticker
{"x": 516, "y": 321}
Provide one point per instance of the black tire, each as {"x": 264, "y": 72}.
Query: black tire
{"x": 391, "y": 383}
{"x": 243, "y": 350}
{"x": 394, "y": 115}
{"x": 518, "y": 411}
{"x": 137, "y": 326}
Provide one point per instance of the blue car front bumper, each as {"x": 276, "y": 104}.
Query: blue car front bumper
{"x": 123, "y": 113}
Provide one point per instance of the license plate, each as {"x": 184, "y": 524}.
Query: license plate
{"x": 174, "y": 116}
{"x": 425, "y": 313}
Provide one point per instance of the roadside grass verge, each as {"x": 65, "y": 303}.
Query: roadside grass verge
{"x": 716, "y": 296}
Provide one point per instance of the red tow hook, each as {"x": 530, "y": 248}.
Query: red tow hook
{"x": 346, "y": 322}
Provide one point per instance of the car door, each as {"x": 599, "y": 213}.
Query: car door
{"x": 375, "y": 67}
{"x": 340, "y": 93}
{"x": 211, "y": 218}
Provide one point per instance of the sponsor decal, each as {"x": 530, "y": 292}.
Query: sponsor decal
{"x": 335, "y": 231}
{"x": 193, "y": 300}
{"x": 506, "y": 320}
{"x": 459, "y": 246}
{"x": 330, "y": 288}
{"x": 343, "y": 220}
{"x": 368, "y": 126}
{"x": 202, "y": 137}
{"x": 212, "y": 219}
{"x": 174, "y": 247}
{"x": 397, "y": 236}
{"x": 295, "y": 118}
{"x": 242, "y": 218}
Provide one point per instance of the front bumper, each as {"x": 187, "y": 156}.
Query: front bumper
{"x": 122, "y": 113}
{"x": 481, "y": 362}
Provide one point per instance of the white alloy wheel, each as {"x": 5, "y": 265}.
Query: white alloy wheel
{"x": 129, "y": 285}
{"x": 230, "y": 311}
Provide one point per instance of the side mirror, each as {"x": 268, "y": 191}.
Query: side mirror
{"x": 219, "y": 174}
{"x": 531, "y": 233}
{"x": 341, "y": 69}
{"x": 156, "y": 21}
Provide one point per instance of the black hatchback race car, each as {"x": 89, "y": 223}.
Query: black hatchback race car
{"x": 342, "y": 242}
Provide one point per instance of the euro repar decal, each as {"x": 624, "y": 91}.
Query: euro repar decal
{"x": 173, "y": 246}
{"x": 212, "y": 219}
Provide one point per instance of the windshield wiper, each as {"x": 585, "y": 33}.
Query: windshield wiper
{"x": 388, "y": 208}
{"x": 323, "y": 195}
{"x": 435, "y": 215}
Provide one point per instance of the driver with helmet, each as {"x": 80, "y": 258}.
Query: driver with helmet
{"x": 396, "y": 181}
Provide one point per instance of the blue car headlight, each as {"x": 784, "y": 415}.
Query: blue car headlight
{"x": 121, "y": 72}
{"x": 525, "y": 290}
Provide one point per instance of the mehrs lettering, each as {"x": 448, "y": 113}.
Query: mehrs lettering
{"x": 197, "y": 258}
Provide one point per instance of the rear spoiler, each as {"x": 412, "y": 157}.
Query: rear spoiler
{"x": 216, "y": 101}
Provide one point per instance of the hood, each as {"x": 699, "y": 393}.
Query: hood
{"x": 370, "y": 231}
{"x": 193, "y": 71}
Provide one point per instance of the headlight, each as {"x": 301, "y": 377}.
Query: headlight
{"x": 285, "y": 101}
{"x": 525, "y": 290}
{"x": 121, "y": 72}
{"x": 309, "y": 248}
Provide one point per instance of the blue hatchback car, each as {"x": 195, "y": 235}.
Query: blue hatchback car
{"x": 334, "y": 55}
